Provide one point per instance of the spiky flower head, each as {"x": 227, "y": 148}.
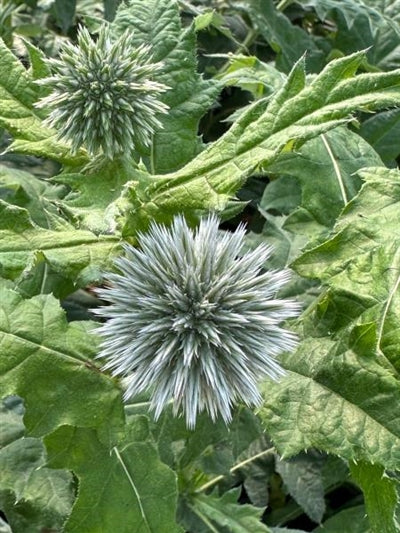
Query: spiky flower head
{"x": 193, "y": 322}
{"x": 103, "y": 96}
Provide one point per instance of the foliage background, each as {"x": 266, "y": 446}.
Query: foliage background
{"x": 272, "y": 102}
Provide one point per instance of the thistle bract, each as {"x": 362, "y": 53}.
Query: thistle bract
{"x": 102, "y": 95}
{"x": 193, "y": 322}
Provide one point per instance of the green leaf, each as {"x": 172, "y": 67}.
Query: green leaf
{"x": 126, "y": 486}
{"x": 190, "y": 96}
{"x": 65, "y": 12}
{"x": 292, "y": 116}
{"x": 39, "y": 197}
{"x": 359, "y": 261}
{"x": 334, "y": 400}
{"x": 359, "y": 27}
{"x": 324, "y": 171}
{"x": 223, "y": 514}
{"x": 88, "y": 202}
{"x": 76, "y": 255}
{"x": 302, "y": 477}
{"x": 290, "y": 42}
{"x": 346, "y": 370}
{"x": 18, "y": 93}
{"x": 352, "y": 520}
{"x": 50, "y": 365}
{"x": 32, "y": 496}
{"x": 380, "y": 496}
{"x": 381, "y": 131}
{"x": 251, "y": 74}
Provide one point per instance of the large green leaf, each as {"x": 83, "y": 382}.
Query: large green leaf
{"x": 190, "y": 96}
{"x": 382, "y": 132}
{"x": 18, "y": 93}
{"x": 343, "y": 386}
{"x": 126, "y": 487}
{"x": 380, "y": 496}
{"x": 295, "y": 114}
{"x": 38, "y": 197}
{"x": 49, "y": 363}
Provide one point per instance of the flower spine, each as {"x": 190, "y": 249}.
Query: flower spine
{"x": 192, "y": 322}
{"x": 102, "y": 94}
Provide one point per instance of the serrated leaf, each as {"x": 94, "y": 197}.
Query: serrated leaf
{"x": 126, "y": 486}
{"x": 360, "y": 263}
{"x": 223, "y": 514}
{"x": 334, "y": 400}
{"x": 76, "y": 255}
{"x": 190, "y": 96}
{"x": 42, "y": 349}
{"x": 380, "y": 496}
{"x": 251, "y": 74}
{"x": 92, "y": 193}
{"x": 18, "y": 93}
{"x": 294, "y": 115}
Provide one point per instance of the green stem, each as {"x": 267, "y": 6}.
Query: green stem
{"x": 252, "y": 34}
{"x": 238, "y": 466}
{"x": 283, "y": 4}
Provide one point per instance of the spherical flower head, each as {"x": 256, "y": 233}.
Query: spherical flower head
{"x": 102, "y": 95}
{"x": 193, "y": 321}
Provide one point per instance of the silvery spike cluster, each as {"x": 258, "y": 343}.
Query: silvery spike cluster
{"x": 192, "y": 321}
{"x": 102, "y": 95}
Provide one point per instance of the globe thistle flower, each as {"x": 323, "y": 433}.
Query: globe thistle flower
{"x": 102, "y": 94}
{"x": 193, "y": 322}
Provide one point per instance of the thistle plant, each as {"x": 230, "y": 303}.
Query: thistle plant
{"x": 192, "y": 321}
{"x": 102, "y": 94}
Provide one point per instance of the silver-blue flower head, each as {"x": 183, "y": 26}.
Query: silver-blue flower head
{"x": 102, "y": 94}
{"x": 193, "y": 321}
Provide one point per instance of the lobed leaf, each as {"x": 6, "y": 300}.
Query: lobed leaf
{"x": 32, "y": 496}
